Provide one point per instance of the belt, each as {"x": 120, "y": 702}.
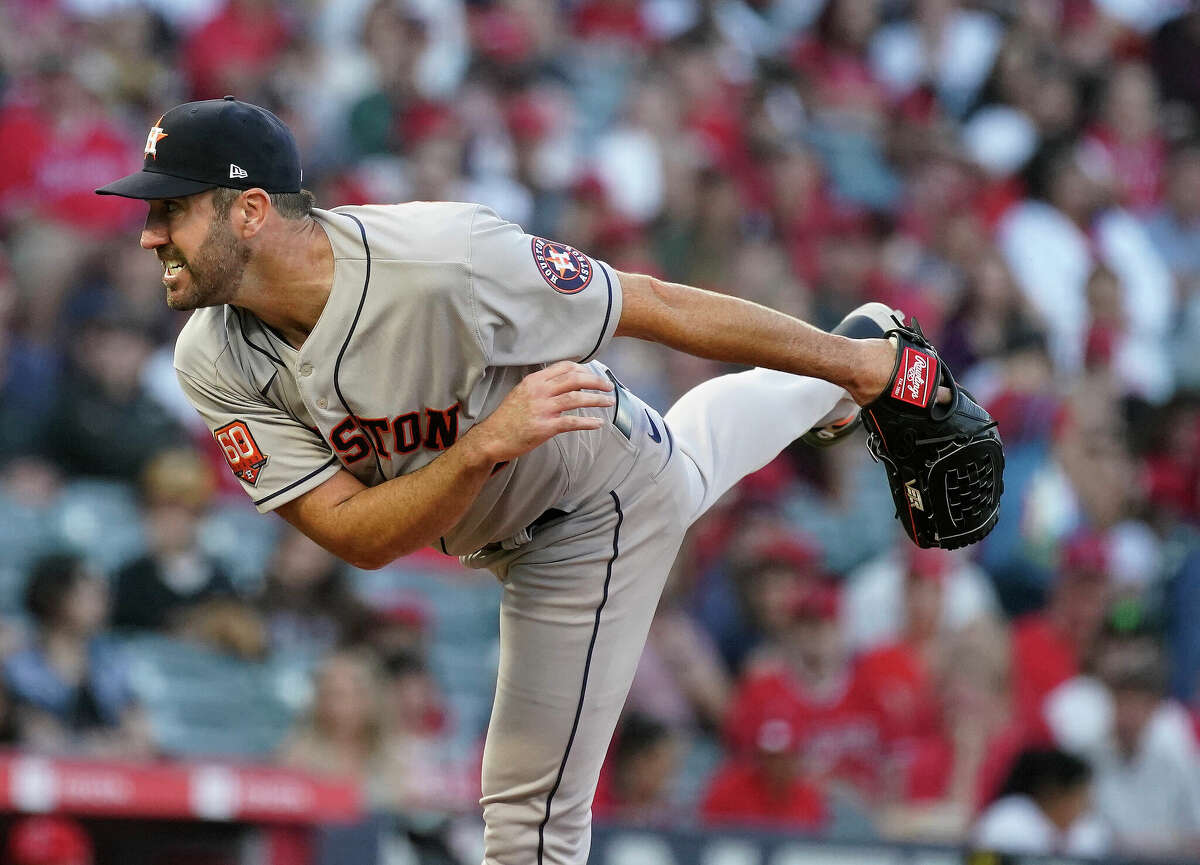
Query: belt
{"x": 548, "y": 516}
{"x": 525, "y": 535}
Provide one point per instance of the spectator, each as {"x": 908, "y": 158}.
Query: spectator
{"x": 399, "y": 630}
{"x": 899, "y": 674}
{"x": 1142, "y": 746}
{"x": 48, "y": 841}
{"x": 875, "y": 611}
{"x": 770, "y": 786}
{"x": 46, "y": 200}
{"x": 175, "y": 577}
{"x": 635, "y": 786}
{"x": 1043, "y": 809}
{"x": 104, "y": 423}
{"x": 811, "y": 681}
{"x": 382, "y": 121}
{"x": 306, "y": 602}
{"x": 941, "y": 779}
{"x": 1128, "y": 136}
{"x": 990, "y": 313}
{"x": 944, "y": 46}
{"x": 345, "y": 733}
{"x": 232, "y": 51}
{"x": 29, "y": 373}
{"x": 1053, "y": 243}
{"x": 835, "y": 58}
{"x": 425, "y": 772}
{"x": 69, "y": 683}
{"x": 762, "y": 579}
{"x": 1049, "y": 647}
{"x": 1174, "y": 229}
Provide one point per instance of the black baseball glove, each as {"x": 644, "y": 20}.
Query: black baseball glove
{"x": 944, "y": 461}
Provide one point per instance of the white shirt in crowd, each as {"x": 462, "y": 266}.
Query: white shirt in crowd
{"x": 1151, "y": 800}
{"x": 1052, "y": 260}
{"x": 873, "y": 601}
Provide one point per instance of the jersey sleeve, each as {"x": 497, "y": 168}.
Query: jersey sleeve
{"x": 537, "y": 301}
{"x": 274, "y": 456}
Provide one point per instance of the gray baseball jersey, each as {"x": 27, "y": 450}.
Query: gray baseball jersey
{"x": 437, "y": 310}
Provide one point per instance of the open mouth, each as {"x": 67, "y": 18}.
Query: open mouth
{"x": 172, "y": 269}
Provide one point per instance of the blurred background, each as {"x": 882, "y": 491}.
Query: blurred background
{"x": 184, "y": 681}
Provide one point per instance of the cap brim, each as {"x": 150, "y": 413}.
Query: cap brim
{"x": 149, "y": 185}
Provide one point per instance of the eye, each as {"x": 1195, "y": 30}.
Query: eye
{"x": 170, "y": 207}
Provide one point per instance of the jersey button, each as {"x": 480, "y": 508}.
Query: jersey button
{"x": 322, "y": 403}
{"x": 306, "y": 369}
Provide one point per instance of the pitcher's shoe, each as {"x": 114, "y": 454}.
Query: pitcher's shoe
{"x": 870, "y": 321}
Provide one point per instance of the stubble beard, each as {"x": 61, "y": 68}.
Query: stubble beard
{"x": 215, "y": 272}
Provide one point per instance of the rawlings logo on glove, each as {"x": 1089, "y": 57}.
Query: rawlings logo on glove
{"x": 944, "y": 461}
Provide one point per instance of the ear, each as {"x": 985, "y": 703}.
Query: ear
{"x": 250, "y": 212}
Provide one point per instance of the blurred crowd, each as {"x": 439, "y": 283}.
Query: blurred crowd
{"x": 1021, "y": 175}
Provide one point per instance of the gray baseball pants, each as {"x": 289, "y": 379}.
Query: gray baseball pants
{"x": 579, "y": 598}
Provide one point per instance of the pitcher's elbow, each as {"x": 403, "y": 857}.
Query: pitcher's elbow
{"x": 368, "y": 558}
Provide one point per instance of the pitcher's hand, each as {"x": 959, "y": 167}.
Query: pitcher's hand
{"x": 539, "y": 408}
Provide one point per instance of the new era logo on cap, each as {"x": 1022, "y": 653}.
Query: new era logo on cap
{"x": 235, "y": 171}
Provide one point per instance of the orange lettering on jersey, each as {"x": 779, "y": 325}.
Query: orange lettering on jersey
{"x": 354, "y": 438}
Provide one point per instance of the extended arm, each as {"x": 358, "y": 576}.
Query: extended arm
{"x": 370, "y": 526}
{"x": 733, "y": 330}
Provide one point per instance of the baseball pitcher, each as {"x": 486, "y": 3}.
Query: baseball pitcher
{"x": 390, "y": 377}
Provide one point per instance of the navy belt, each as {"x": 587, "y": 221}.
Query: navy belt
{"x": 548, "y": 516}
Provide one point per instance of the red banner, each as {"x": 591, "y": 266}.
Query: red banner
{"x": 199, "y": 791}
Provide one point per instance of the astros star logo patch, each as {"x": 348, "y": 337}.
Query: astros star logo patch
{"x": 156, "y": 135}
{"x": 565, "y": 269}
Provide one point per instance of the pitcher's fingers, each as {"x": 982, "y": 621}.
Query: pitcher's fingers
{"x": 561, "y": 367}
{"x": 581, "y": 399}
{"x": 582, "y": 380}
{"x": 575, "y": 422}
{"x": 944, "y": 395}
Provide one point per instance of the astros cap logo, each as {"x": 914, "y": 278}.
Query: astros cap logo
{"x": 156, "y": 135}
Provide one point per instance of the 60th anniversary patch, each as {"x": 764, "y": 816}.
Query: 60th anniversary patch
{"x": 565, "y": 269}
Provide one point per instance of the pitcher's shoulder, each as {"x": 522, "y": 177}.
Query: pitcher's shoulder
{"x": 415, "y": 230}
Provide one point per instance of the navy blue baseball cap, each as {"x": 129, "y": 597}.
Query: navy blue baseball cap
{"x": 217, "y": 142}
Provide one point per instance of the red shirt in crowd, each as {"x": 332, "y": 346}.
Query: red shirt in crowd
{"x": 606, "y": 20}
{"x": 51, "y": 167}
{"x": 1043, "y": 658}
{"x": 840, "y": 78}
{"x": 740, "y": 793}
{"x": 902, "y": 690}
{"x": 928, "y": 763}
{"x": 234, "y": 47}
{"x": 839, "y": 737}
{"x": 1137, "y": 166}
